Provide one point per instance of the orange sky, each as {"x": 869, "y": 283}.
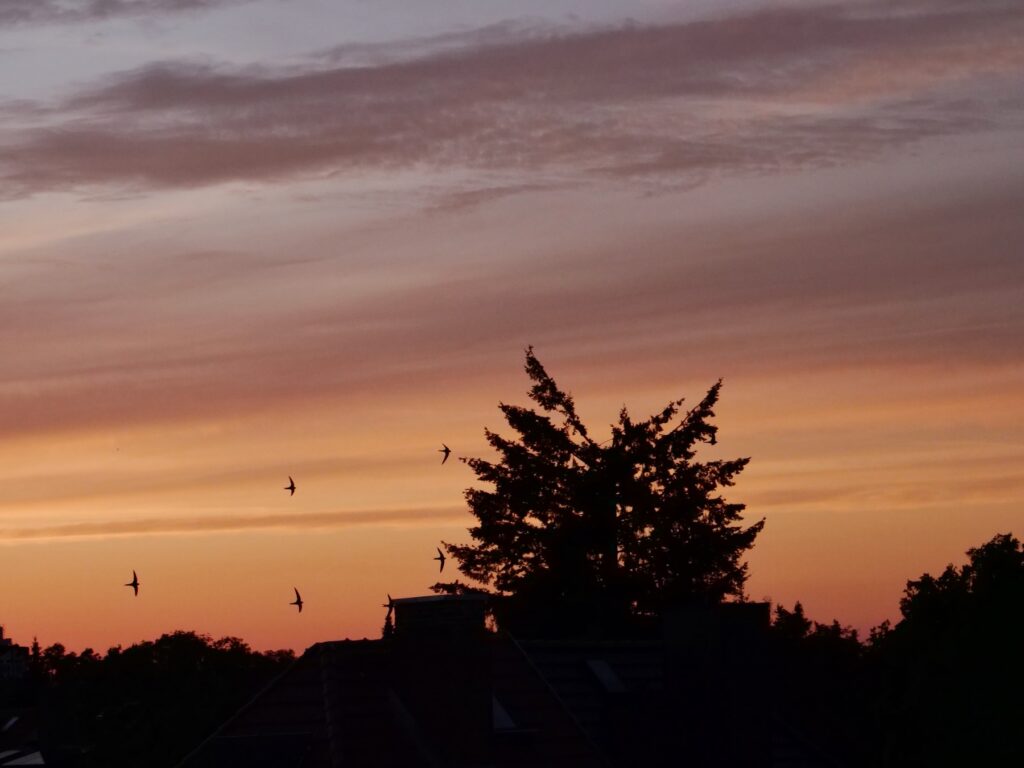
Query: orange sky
{"x": 224, "y": 265}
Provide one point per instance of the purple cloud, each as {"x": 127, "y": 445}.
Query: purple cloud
{"x": 784, "y": 88}
{"x": 15, "y": 12}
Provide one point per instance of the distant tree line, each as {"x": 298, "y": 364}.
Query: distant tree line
{"x": 144, "y": 705}
{"x": 941, "y": 687}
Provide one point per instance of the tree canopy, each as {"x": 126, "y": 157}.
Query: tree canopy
{"x": 147, "y": 704}
{"x": 950, "y": 668}
{"x": 613, "y": 529}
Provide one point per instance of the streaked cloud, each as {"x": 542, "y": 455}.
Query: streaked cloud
{"x": 14, "y": 12}
{"x": 163, "y": 336}
{"x": 768, "y": 90}
{"x": 226, "y": 523}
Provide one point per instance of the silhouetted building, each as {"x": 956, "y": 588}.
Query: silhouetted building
{"x": 19, "y": 737}
{"x": 13, "y": 659}
{"x": 444, "y": 691}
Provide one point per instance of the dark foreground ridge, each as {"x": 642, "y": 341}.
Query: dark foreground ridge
{"x": 704, "y": 685}
{"x": 444, "y": 691}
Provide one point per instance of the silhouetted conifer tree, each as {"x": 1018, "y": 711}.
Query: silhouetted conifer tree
{"x": 609, "y": 531}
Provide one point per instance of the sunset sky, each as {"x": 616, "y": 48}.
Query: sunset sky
{"x": 246, "y": 240}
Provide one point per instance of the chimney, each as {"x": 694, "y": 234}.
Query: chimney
{"x": 451, "y": 617}
{"x": 442, "y": 674}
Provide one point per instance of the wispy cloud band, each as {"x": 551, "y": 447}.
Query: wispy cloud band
{"x": 226, "y": 523}
{"x": 781, "y": 88}
{"x": 19, "y": 12}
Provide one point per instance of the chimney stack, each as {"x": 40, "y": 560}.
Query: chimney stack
{"x": 442, "y": 673}
{"x": 453, "y": 617}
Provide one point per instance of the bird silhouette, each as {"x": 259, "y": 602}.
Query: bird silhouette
{"x": 390, "y": 605}
{"x": 134, "y": 583}
{"x": 298, "y": 600}
{"x": 291, "y": 486}
{"x": 440, "y": 558}
{"x": 446, "y": 451}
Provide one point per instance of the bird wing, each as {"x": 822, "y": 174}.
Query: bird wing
{"x": 298, "y": 597}
{"x": 440, "y": 553}
{"x": 134, "y": 576}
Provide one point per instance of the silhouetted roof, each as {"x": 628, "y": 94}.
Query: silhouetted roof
{"x": 618, "y": 685}
{"x": 791, "y": 750}
{"x": 19, "y": 738}
{"x": 336, "y": 706}
{"x": 329, "y": 708}
{"x": 583, "y": 673}
{"x": 443, "y": 691}
{"x": 545, "y": 727}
